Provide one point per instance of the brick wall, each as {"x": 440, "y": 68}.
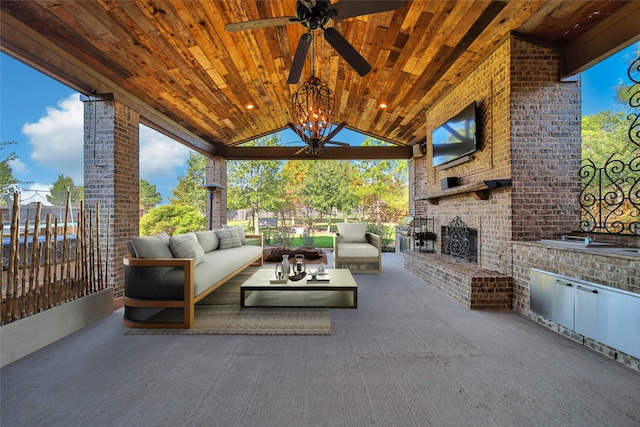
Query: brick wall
{"x": 216, "y": 173}
{"x": 615, "y": 271}
{"x": 545, "y": 144}
{"x": 111, "y": 178}
{"x": 609, "y": 270}
{"x": 529, "y": 132}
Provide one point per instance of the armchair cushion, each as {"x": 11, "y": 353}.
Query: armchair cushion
{"x": 186, "y": 246}
{"x": 358, "y": 250}
{"x": 352, "y": 232}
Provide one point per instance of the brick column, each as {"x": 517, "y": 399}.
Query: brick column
{"x": 111, "y": 177}
{"x": 216, "y": 173}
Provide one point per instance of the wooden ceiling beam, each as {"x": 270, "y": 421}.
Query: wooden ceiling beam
{"x": 334, "y": 153}
{"x": 612, "y": 34}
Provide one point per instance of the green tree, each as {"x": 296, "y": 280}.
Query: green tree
{"x": 172, "y": 219}
{"x": 603, "y": 134}
{"x": 294, "y": 173}
{"x": 189, "y": 190}
{"x": 326, "y": 188}
{"x": 255, "y": 184}
{"x": 382, "y": 187}
{"x": 150, "y": 197}
{"x": 625, "y": 91}
{"x": 61, "y": 186}
{"x": 8, "y": 183}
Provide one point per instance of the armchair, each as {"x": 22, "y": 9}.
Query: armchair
{"x": 356, "y": 249}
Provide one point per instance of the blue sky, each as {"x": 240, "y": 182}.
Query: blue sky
{"x": 45, "y": 118}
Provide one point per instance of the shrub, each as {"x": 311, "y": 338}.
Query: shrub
{"x": 172, "y": 219}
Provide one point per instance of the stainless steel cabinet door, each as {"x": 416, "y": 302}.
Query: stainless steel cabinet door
{"x": 553, "y": 297}
{"x": 608, "y": 316}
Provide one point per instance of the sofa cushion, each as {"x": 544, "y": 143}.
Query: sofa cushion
{"x": 208, "y": 240}
{"x": 240, "y": 231}
{"x": 146, "y": 247}
{"x": 186, "y": 246}
{"x": 352, "y": 232}
{"x": 228, "y": 238}
{"x": 152, "y": 246}
{"x": 220, "y": 264}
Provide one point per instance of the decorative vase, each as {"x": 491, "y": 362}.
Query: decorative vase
{"x": 286, "y": 268}
{"x": 279, "y": 274}
{"x": 299, "y": 264}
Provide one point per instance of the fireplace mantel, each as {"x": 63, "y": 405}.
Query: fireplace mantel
{"x": 480, "y": 190}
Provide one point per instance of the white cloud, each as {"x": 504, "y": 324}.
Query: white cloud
{"x": 57, "y": 144}
{"x": 57, "y": 138}
{"x": 18, "y": 167}
{"x": 36, "y": 192}
{"x": 160, "y": 155}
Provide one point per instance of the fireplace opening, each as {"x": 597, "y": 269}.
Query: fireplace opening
{"x": 460, "y": 241}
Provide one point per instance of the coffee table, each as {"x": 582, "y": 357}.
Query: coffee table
{"x": 340, "y": 292}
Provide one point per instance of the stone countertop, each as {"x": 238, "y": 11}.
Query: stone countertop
{"x": 595, "y": 248}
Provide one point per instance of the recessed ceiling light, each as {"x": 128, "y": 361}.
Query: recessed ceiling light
{"x": 250, "y": 106}
{"x": 383, "y": 105}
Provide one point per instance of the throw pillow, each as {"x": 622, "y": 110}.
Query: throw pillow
{"x": 240, "y": 230}
{"x": 352, "y": 232}
{"x": 146, "y": 247}
{"x": 228, "y": 238}
{"x": 208, "y": 240}
{"x": 152, "y": 246}
{"x": 186, "y": 246}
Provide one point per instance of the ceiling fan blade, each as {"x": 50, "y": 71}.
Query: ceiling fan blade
{"x": 348, "y": 52}
{"x": 299, "y": 58}
{"x": 342, "y": 144}
{"x": 350, "y": 8}
{"x": 335, "y": 131}
{"x": 293, "y": 128}
{"x": 299, "y": 151}
{"x": 260, "y": 23}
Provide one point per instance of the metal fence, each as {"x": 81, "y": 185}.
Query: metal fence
{"x": 610, "y": 197}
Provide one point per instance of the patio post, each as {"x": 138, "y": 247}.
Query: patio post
{"x": 216, "y": 172}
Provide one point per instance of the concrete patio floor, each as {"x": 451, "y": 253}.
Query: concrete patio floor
{"x": 408, "y": 356}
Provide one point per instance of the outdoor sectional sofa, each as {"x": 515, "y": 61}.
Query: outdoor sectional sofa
{"x": 356, "y": 249}
{"x": 176, "y": 272}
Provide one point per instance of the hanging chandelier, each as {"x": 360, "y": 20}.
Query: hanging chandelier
{"x": 312, "y": 110}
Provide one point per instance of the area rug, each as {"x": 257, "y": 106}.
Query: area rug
{"x": 220, "y": 313}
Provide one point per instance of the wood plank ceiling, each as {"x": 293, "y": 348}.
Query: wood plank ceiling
{"x": 175, "y": 61}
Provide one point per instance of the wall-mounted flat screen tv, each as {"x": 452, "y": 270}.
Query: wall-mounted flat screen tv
{"x": 456, "y": 137}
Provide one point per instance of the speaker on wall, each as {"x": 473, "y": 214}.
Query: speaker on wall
{"x": 449, "y": 182}
{"x": 418, "y": 150}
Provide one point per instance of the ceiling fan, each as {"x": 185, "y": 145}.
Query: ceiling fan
{"x": 316, "y": 145}
{"x": 314, "y": 14}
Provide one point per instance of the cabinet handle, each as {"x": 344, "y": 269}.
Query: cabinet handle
{"x": 593, "y": 291}
{"x": 564, "y": 283}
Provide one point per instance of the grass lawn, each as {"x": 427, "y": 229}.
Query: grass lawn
{"x": 318, "y": 241}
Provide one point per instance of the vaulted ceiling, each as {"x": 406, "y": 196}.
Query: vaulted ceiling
{"x": 174, "y": 62}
